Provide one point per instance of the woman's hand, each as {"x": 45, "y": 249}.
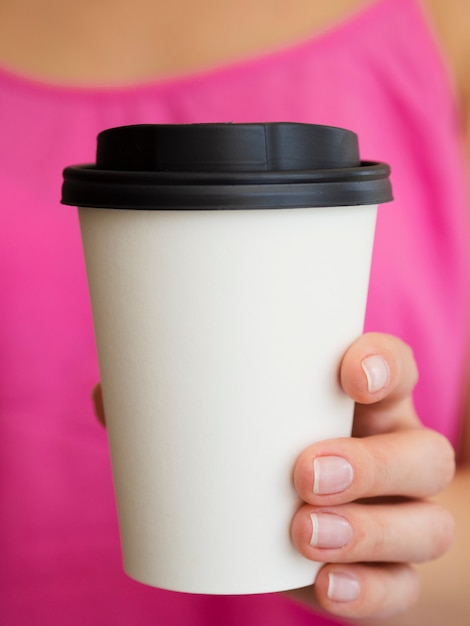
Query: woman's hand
{"x": 366, "y": 512}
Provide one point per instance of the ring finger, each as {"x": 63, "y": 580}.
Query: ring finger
{"x": 411, "y": 531}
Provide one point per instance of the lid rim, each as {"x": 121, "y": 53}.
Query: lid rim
{"x": 370, "y": 170}
{"x": 230, "y": 197}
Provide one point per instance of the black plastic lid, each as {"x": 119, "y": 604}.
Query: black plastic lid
{"x": 226, "y": 166}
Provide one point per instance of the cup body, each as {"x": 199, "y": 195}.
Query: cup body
{"x": 220, "y": 335}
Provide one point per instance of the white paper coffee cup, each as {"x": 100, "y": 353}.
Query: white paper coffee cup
{"x": 220, "y": 334}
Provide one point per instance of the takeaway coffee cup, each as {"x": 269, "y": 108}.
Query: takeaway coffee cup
{"x": 228, "y": 269}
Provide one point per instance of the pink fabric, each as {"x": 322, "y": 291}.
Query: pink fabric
{"x": 378, "y": 73}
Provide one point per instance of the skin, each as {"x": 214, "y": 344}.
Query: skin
{"x": 416, "y": 482}
{"x": 388, "y": 534}
{"x": 383, "y": 453}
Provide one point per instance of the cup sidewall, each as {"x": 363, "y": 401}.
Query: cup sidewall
{"x": 219, "y": 336}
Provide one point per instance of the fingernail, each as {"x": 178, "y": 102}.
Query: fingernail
{"x": 377, "y": 372}
{"x": 343, "y": 587}
{"x": 330, "y": 530}
{"x": 331, "y": 474}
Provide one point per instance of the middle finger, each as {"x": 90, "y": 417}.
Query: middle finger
{"x": 413, "y": 531}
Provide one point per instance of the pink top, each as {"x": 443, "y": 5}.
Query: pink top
{"x": 378, "y": 73}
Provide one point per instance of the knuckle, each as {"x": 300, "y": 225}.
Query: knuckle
{"x": 445, "y": 535}
{"x": 367, "y": 468}
{"x": 436, "y": 541}
{"x": 412, "y": 585}
{"x": 404, "y": 358}
{"x": 379, "y": 541}
{"x": 443, "y": 455}
{"x": 398, "y": 592}
{"x": 414, "y": 372}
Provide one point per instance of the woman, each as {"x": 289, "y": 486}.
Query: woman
{"x": 375, "y": 68}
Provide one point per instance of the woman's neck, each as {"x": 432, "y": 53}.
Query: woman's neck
{"x": 117, "y": 41}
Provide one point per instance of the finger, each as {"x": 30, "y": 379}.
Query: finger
{"x": 413, "y": 532}
{"x": 361, "y": 591}
{"x": 380, "y": 369}
{"x": 377, "y": 366}
{"x": 97, "y": 397}
{"x": 366, "y": 591}
{"x": 415, "y": 463}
